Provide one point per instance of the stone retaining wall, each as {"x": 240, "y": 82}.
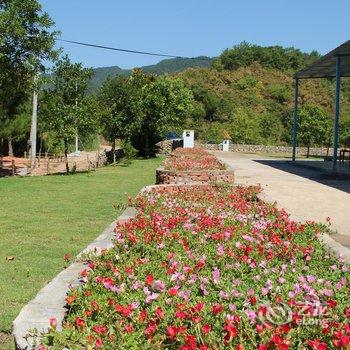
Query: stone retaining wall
{"x": 315, "y": 151}
{"x": 167, "y": 146}
{"x": 186, "y": 177}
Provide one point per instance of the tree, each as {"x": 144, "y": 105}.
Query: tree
{"x": 15, "y": 129}
{"x": 142, "y": 108}
{"x": 121, "y": 105}
{"x": 314, "y": 127}
{"x": 26, "y": 40}
{"x": 276, "y": 57}
{"x": 270, "y": 128}
{"x": 244, "y": 128}
{"x": 67, "y": 110}
{"x": 167, "y": 102}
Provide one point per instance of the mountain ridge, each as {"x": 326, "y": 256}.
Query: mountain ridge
{"x": 171, "y": 65}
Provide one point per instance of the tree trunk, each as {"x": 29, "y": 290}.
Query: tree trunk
{"x": 308, "y": 152}
{"x": 1, "y": 146}
{"x": 10, "y": 147}
{"x": 66, "y": 155}
{"x": 41, "y": 144}
{"x": 113, "y": 151}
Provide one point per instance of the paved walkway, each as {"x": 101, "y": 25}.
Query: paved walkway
{"x": 306, "y": 193}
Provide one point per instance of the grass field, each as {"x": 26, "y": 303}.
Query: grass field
{"x": 44, "y": 218}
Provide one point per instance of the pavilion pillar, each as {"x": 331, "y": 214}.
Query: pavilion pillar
{"x": 295, "y": 119}
{"x": 336, "y": 114}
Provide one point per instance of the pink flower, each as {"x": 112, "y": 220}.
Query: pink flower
{"x": 159, "y": 285}
{"x": 265, "y": 291}
{"x": 220, "y": 250}
{"x": 216, "y": 276}
{"x": 224, "y": 295}
{"x": 250, "y": 292}
{"x": 327, "y": 292}
{"x": 311, "y": 278}
{"x": 232, "y": 307}
{"x": 53, "y": 322}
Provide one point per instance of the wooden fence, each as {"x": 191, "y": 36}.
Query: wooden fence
{"x": 9, "y": 165}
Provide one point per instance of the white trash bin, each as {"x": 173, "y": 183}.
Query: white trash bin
{"x": 188, "y": 137}
{"x": 226, "y": 145}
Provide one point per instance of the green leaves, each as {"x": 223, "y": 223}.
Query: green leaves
{"x": 315, "y": 126}
{"x": 277, "y": 57}
{"x": 26, "y": 39}
{"x": 141, "y": 108}
{"x": 65, "y": 109}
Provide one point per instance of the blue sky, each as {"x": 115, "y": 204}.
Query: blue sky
{"x": 194, "y": 27}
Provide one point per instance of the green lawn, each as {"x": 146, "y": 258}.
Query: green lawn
{"x": 43, "y": 218}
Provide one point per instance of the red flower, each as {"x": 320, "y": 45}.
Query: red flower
{"x": 94, "y": 305}
{"x": 331, "y": 303}
{"x": 128, "y": 328}
{"x": 150, "y": 329}
{"x": 123, "y": 310}
{"x": 317, "y": 345}
{"x": 87, "y": 313}
{"x": 262, "y": 347}
{"x": 173, "y": 331}
{"x": 252, "y": 300}
{"x": 341, "y": 340}
{"x": 259, "y": 328}
{"x": 143, "y": 315}
{"x": 181, "y": 314}
{"x": 231, "y": 330}
{"x": 149, "y": 279}
{"x": 88, "y": 293}
{"x": 159, "y": 312}
{"x": 198, "y": 307}
{"x": 206, "y": 328}
{"x": 53, "y": 322}
{"x": 347, "y": 312}
{"x": 172, "y": 291}
{"x": 99, "y": 343}
{"x": 216, "y": 309}
{"x": 80, "y": 322}
{"x": 100, "y": 329}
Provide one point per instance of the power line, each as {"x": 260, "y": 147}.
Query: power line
{"x": 121, "y": 50}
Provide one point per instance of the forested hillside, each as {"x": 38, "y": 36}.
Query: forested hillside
{"x": 248, "y": 94}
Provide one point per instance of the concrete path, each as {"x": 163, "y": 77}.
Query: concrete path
{"x": 306, "y": 193}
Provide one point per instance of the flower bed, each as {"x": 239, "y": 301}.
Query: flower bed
{"x": 186, "y": 165}
{"x": 209, "y": 267}
{"x": 185, "y": 159}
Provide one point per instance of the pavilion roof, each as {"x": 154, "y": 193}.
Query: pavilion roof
{"x": 325, "y": 67}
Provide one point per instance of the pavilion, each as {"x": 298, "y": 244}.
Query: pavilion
{"x": 335, "y": 64}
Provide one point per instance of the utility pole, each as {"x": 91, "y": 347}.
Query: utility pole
{"x": 33, "y": 130}
{"x": 76, "y": 153}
